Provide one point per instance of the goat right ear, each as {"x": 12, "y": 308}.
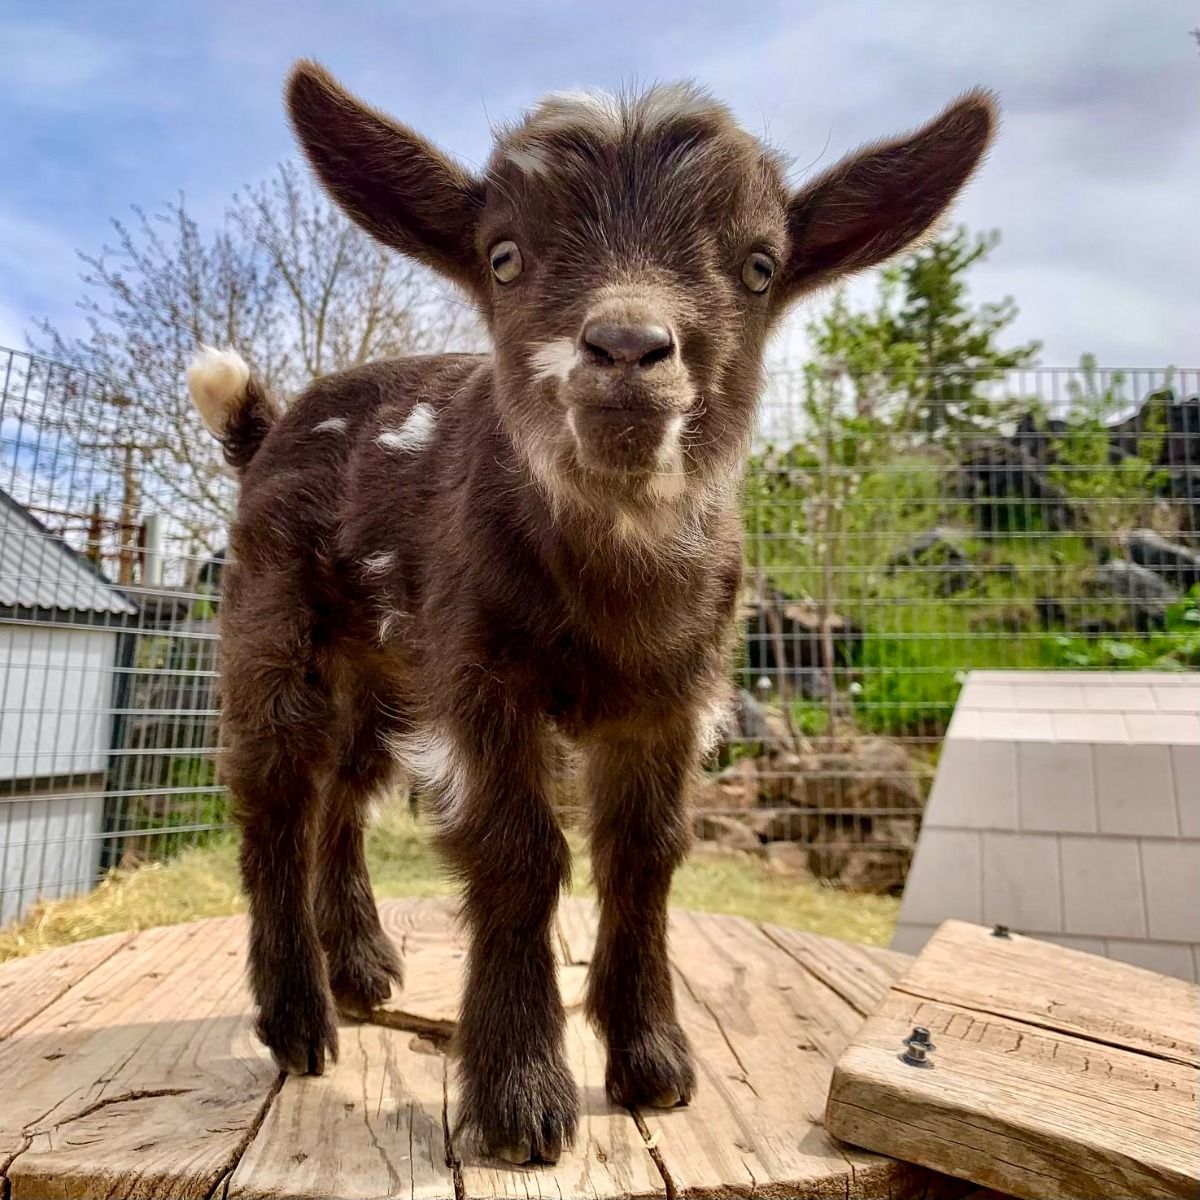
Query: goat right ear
{"x": 390, "y": 180}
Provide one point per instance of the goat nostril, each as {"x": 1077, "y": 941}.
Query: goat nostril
{"x": 612, "y": 344}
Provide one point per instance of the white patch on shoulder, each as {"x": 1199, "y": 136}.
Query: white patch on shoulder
{"x": 531, "y": 160}
{"x": 331, "y": 425}
{"x": 391, "y": 621}
{"x": 554, "y": 360}
{"x": 414, "y": 434}
{"x": 216, "y": 381}
{"x": 433, "y": 760}
{"x": 378, "y": 564}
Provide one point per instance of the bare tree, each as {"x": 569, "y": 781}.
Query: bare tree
{"x": 286, "y": 280}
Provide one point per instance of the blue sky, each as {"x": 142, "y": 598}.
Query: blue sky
{"x": 1094, "y": 181}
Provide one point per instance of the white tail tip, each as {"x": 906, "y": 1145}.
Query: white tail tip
{"x": 216, "y": 382}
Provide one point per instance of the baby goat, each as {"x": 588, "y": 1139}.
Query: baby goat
{"x": 441, "y": 566}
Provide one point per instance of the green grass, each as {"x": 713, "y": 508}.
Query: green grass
{"x": 202, "y": 882}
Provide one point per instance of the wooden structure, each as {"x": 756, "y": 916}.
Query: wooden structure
{"x": 129, "y": 1070}
{"x": 1057, "y": 1075}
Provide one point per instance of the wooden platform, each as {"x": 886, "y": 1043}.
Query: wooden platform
{"x": 127, "y": 1068}
{"x": 1057, "y": 1075}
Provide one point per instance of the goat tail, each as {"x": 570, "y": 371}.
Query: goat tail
{"x": 232, "y": 402}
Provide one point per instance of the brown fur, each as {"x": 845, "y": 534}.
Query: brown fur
{"x": 528, "y": 560}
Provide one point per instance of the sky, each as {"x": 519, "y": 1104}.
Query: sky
{"x": 1094, "y": 182}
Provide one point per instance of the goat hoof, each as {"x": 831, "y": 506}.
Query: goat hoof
{"x": 361, "y": 977}
{"x": 652, "y": 1068}
{"x": 518, "y": 1154}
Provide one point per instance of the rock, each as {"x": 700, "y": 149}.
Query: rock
{"x": 778, "y": 778}
{"x": 786, "y": 635}
{"x": 936, "y": 550}
{"x": 725, "y": 831}
{"x": 786, "y": 858}
{"x": 739, "y": 783}
{"x": 1007, "y": 486}
{"x": 872, "y": 858}
{"x": 782, "y": 824}
{"x": 1176, "y": 565}
{"x": 1140, "y": 588}
{"x": 872, "y": 773}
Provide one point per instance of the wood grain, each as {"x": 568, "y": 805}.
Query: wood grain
{"x": 143, "y": 1078}
{"x": 28, "y": 985}
{"x": 766, "y": 1033}
{"x": 1087, "y": 1088}
{"x": 137, "y": 1075}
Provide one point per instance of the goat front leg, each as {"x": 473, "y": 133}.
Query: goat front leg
{"x": 636, "y": 784}
{"x": 500, "y": 834}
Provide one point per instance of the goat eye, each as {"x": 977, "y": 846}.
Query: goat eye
{"x": 506, "y": 261}
{"x": 757, "y": 272}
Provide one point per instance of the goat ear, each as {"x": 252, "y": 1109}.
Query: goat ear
{"x": 390, "y": 180}
{"x": 883, "y": 197}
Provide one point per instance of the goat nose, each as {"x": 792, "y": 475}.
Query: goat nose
{"x": 612, "y": 344}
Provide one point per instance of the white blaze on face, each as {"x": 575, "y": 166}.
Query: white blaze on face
{"x": 415, "y": 433}
{"x": 554, "y": 360}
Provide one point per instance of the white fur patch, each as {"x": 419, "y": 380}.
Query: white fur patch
{"x": 433, "y": 760}
{"x": 378, "y": 564}
{"x": 331, "y": 425}
{"x": 670, "y": 101}
{"x": 598, "y": 111}
{"x": 554, "y": 360}
{"x": 391, "y": 620}
{"x": 532, "y": 160}
{"x": 414, "y": 434}
{"x": 669, "y": 482}
{"x": 715, "y": 722}
{"x": 216, "y": 381}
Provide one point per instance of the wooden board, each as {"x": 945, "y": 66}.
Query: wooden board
{"x": 28, "y": 985}
{"x": 130, "y": 1070}
{"x": 1057, "y": 1074}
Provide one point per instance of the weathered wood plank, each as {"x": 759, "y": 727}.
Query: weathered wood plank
{"x": 143, "y": 1078}
{"x": 861, "y": 975}
{"x": 765, "y": 1033}
{"x": 371, "y": 1126}
{"x": 27, "y": 985}
{"x": 1057, "y": 988}
{"x": 1071, "y": 1099}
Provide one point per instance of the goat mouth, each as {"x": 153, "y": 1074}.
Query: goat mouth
{"x": 624, "y": 440}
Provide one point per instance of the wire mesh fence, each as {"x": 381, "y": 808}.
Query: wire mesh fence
{"x": 900, "y": 533}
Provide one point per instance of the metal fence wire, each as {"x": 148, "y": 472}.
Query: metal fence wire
{"x": 900, "y": 533}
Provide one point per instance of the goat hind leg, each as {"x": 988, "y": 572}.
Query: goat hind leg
{"x": 276, "y": 804}
{"x": 363, "y": 963}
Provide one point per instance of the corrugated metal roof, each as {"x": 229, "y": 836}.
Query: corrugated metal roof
{"x": 38, "y": 570}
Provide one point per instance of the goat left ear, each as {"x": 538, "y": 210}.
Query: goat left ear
{"x": 883, "y": 197}
{"x": 388, "y": 179}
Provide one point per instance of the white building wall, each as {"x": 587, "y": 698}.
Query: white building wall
{"x": 56, "y": 708}
{"x": 55, "y": 735}
{"x": 1067, "y": 807}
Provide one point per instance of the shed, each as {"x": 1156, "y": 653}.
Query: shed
{"x": 61, "y": 626}
{"x": 1067, "y": 806}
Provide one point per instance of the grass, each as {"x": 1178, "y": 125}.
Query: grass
{"x": 202, "y": 882}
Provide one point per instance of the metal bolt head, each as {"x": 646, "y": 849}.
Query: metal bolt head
{"x": 918, "y": 1048}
